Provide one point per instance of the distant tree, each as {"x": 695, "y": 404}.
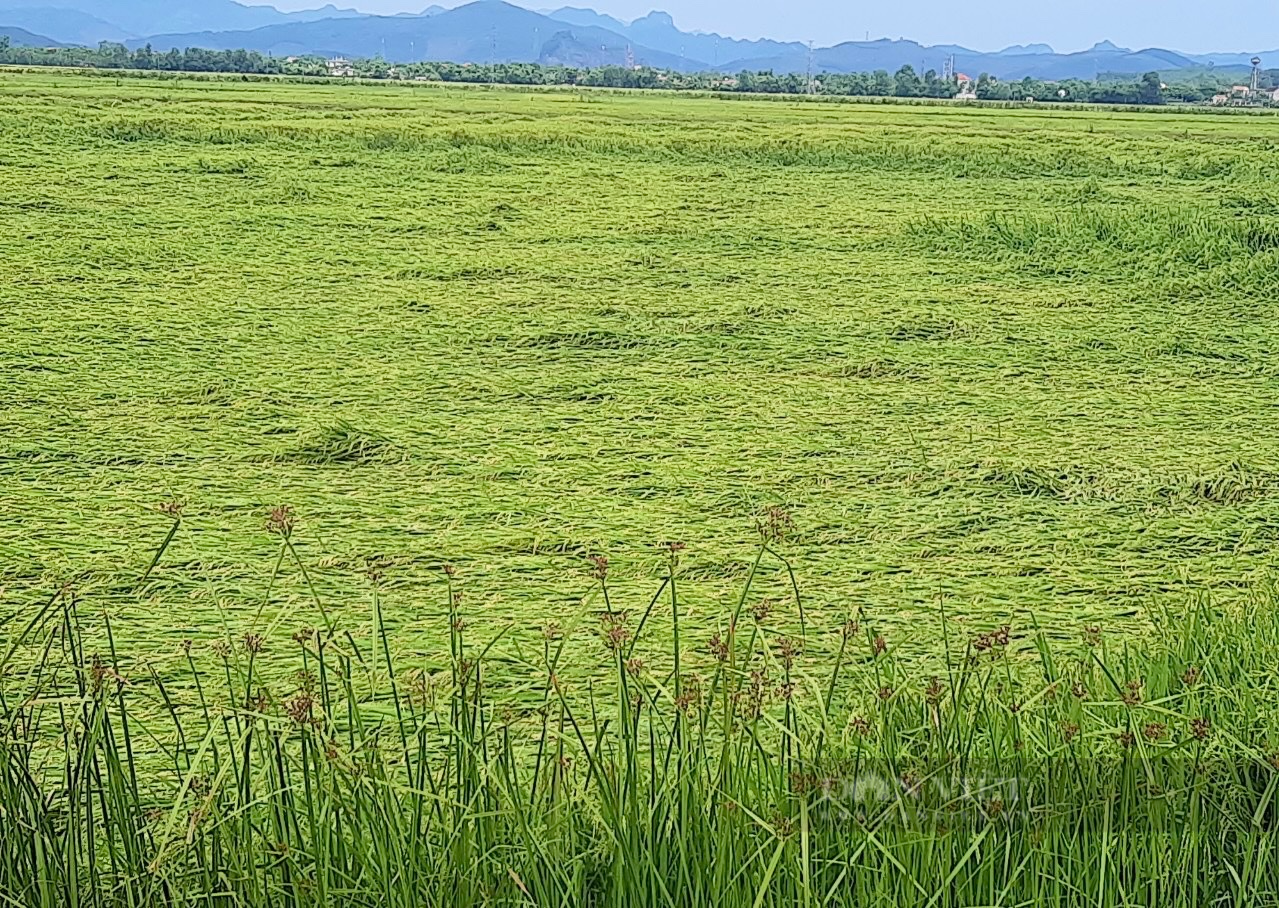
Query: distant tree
{"x": 114, "y": 53}
{"x": 4, "y": 43}
{"x": 935, "y": 87}
{"x": 881, "y": 83}
{"x": 991, "y": 89}
{"x": 1151, "y": 90}
{"x": 144, "y": 58}
{"x": 906, "y": 84}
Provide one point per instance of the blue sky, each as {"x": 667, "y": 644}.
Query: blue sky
{"x": 1189, "y": 25}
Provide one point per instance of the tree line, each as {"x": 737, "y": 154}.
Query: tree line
{"x": 905, "y": 83}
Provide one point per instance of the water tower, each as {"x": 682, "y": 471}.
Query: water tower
{"x": 1256, "y": 74}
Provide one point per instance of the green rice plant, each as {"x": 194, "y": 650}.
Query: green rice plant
{"x": 339, "y": 442}
{"x": 517, "y": 325}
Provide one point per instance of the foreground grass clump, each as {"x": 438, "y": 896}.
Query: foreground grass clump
{"x": 1017, "y": 770}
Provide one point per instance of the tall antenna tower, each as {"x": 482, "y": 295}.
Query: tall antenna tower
{"x": 1256, "y": 74}
{"x": 630, "y": 57}
{"x": 948, "y": 70}
{"x": 808, "y": 80}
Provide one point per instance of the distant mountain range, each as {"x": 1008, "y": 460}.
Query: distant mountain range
{"x": 488, "y": 31}
{"x": 492, "y": 31}
{"x": 657, "y": 30}
{"x": 22, "y": 36}
{"x": 1037, "y": 61}
{"x": 113, "y": 20}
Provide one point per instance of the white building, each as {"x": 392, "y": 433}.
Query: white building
{"x": 340, "y": 66}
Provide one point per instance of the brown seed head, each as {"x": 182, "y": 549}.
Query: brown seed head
{"x": 1200, "y": 728}
{"x": 1132, "y": 692}
{"x": 775, "y": 524}
{"x": 1154, "y": 731}
{"x": 750, "y": 700}
{"x": 280, "y": 521}
{"x": 1069, "y": 730}
{"x": 718, "y": 648}
{"x": 98, "y": 672}
{"x": 600, "y": 567}
{"x": 879, "y": 645}
{"x": 1092, "y": 635}
{"x": 933, "y": 692}
{"x": 253, "y": 643}
{"x": 992, "y": 639}
{"x": 787, "y": 650}
{"x": 761, "y": 610}
{"x": 802, "y": 783}
{"x": 614, "y": 630}
{"x": 690, "y": 699}
{"x": 1190, "y": 677}
{"x": 172, "y": 508}
{"x": 298, "y": 708}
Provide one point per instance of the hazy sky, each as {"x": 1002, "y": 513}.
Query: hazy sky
{"x": 1188, "y": 25}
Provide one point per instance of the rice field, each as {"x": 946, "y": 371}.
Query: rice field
{"x": 1016, "y": 362}
{"x": 421, "y": 495}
